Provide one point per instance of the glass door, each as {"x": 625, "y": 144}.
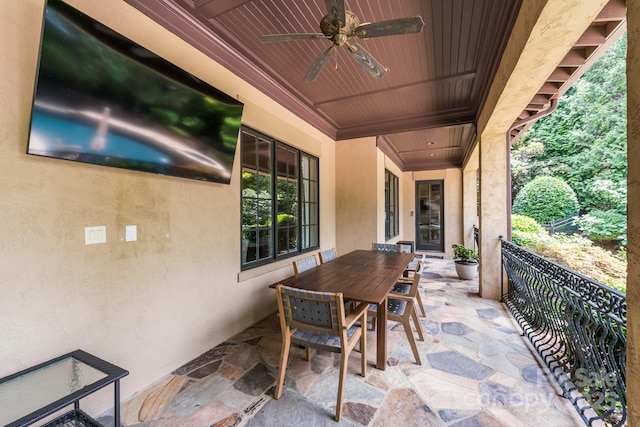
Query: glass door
{"x": 430, "y": 216}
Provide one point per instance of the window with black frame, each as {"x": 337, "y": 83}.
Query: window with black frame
{"x": 391, "y": 205}
{"x": 280, "y": 200}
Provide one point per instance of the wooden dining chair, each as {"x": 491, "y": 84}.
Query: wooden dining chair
{"x": 401, "y": 308}
{"x": 386, "y": 247}
{"x": 304, "y": 264}
{"x": 317, "y": 320}
{"x": 404, "y": 283}
{"x": 328, "y": 255}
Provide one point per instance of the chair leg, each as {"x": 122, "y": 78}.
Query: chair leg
{"x": 308, "y": 353}
{"x": 416, "y": 320}
{"x": 363, "y": 349}
{"x": 343, "y": 371}
{"x": 284, "y": 356}
{"x": 420, "y": 305}
{"x": 412, "y": 341}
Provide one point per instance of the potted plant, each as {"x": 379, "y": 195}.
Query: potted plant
{"x": 466, "y": 261}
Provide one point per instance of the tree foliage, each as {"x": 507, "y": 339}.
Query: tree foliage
{"x": 604, "y": 226}
{"x": 545, "y": 199}
{"x": 584, "y": 141}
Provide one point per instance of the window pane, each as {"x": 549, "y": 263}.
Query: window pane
{"x": 249, "y": 157}
{"x": 264, "y": 155}
{"x": 313, "y": 214}
{"x": 304, "y": 167}
{"x": 313, "y": 168}
{"x": 287, "y": 240}
{"x": 287, "y": 196}
{"x": 249, "y": 214}
{"x": 313, "y": 192}
{"x": 279, "y": 201}
{"x": 309, "y": 198}
{"x": 263, "y": 185}
{"x": 263, "y": 212}
{"x": 249, "y": 246}
{"x": 264, "y": 246}
{"x": 313, "y": 236}
{"x": 391, "y": 205}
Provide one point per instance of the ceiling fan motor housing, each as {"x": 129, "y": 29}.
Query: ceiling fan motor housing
{"x": 340, "y": 34}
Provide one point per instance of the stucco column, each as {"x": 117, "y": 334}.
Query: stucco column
{"x": 493, "y": 211}
{"x": 470, "y": 198}
{"x": 633, "y": 212}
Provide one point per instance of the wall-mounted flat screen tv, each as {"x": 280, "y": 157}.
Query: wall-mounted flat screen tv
{"x": 101, "y": 98}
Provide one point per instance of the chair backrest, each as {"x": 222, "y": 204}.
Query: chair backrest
{"x": 415, "y": 284}
{"x": 387, "y": 247}
{"x": 319, "y": 313}
{"x": 304, "y": 264}
{"x": 328, "y": 255}
{"x": 415, "y": 265}
{"x": 406, "y": 248}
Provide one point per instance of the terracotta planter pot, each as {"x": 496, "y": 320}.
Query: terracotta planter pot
{"x": 466, "y": 270}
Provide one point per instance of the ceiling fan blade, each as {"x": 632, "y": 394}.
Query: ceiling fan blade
{"x": 318, "y": 65}
{"x": 288, "y": 37}
{"x": 336, "y": 12}
{"x": 366, "y": 61}
{"x": 391, "y": 27}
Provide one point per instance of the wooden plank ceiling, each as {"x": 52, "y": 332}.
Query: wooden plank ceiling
{"x": 424, "y": 110}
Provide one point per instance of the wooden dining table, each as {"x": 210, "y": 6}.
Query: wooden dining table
{"x": 363, "y": 276}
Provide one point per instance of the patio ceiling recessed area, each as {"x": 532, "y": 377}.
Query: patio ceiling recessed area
{"x": 437, "y": 82}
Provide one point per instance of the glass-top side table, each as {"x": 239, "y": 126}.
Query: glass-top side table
{"x": 30, "y": 395}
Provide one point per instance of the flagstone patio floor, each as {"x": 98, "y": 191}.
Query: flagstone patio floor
{"x": 477, "y": 370}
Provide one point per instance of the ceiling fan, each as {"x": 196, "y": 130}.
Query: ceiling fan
{"x": 339, "y": 25}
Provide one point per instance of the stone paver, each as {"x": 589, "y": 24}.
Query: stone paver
{"x": 476, "y": 371}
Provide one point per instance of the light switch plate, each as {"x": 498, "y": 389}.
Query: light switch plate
{"x": 94, "y": 235}
{"x": 131, "y": 233}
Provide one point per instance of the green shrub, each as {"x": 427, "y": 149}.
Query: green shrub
{"x": 546, "y": 198}
{"x": 580, "y": 254}
{"x": 604, "y": 226}
{"x": 526, "y": 232}
{"x": 286, "y": 219}
{"x": 527, "y": 224}
{"x": 525, "y": 239}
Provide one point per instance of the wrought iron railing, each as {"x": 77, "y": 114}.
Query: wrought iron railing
{"x": 566, "y": 225}
{"x": 578, "y": 327}
{"x": 476, "y": 238}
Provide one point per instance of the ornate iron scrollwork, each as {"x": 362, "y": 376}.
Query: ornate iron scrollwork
{"x": 578, "y": 327}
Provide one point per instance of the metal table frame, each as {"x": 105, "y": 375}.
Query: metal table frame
{"x": 112, "y": 375}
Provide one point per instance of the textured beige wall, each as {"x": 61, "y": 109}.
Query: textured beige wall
{"x": 633, "y": 213}
{"x": 151, "y": 305}
{"x": 357, "y": 181}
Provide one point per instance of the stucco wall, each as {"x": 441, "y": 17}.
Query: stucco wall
{"x": 356, "y": 194}
{"x": 633, "y": 213}
{"x": 150, "y": 305}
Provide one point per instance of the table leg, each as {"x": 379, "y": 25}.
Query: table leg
{"x": 116, "y": 404}
{"x": 381, "y": 335}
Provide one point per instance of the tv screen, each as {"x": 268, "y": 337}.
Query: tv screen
{"x": 100, "y": 98}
